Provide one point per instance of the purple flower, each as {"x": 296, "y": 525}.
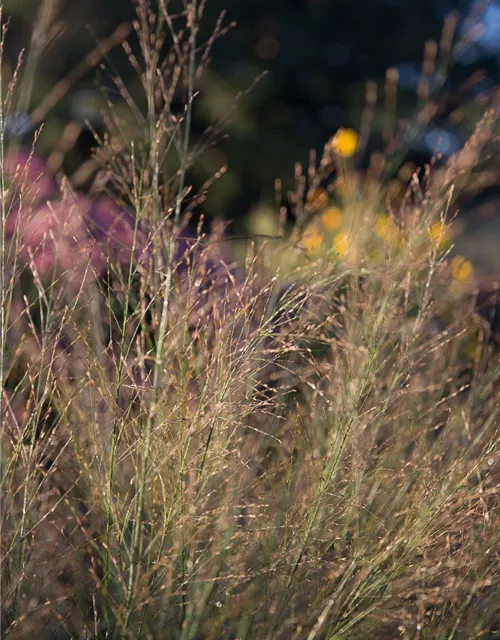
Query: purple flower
{"x": 30, "y": 184}
{"x": 30, "y": 173}
{"x": 75, "y": 235}
{"x": 54, "y": 238}
{"x": 113, "y": 231}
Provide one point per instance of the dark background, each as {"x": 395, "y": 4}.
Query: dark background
{"x": 318, "y": 53}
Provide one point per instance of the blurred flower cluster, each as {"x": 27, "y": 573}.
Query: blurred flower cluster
{"x": 56, "y": 231}
{"x": 357, "y": 220}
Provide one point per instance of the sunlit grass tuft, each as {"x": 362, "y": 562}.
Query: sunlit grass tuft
{"x": 300, "y": 444}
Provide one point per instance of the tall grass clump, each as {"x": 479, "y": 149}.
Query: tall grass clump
{"x": 300, "y": 443}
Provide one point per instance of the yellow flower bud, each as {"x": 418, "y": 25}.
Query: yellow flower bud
{"x": 386, "y": 229}
{"x": 312, "y": 239}
{"x": 317, "y": 198}
{"x": 461, "y": 268}
{"x": 439, "y": 235}
{"x": 341, "y": 243}
{"x": 331, "y": 218}
{"x": 345, "y": 143}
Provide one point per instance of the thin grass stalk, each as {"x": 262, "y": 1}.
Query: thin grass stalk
{"x": 46, "y": 14}
{"x": 3, "y": 195}
{"x": 115, "y": 430}
{"x": 136, "y": 545}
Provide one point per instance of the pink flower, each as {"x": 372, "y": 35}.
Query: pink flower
{"x": 54, "y": 237}
{"x": 113, "y": 229}
{"x": 74, "y": 235}
{"x": 29, "y": 184}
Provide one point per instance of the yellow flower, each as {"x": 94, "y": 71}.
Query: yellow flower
{"x": 312, "y": 239}
{"x": 386, "y": 229}
{"x": 331, "y": 218}
{"x": 317, "y": 198}
{"x": 345, "y": 143}
{"x": 341, "y": 243}
{"x": 439, "y": 235}
{"x": 461, "y": 268}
